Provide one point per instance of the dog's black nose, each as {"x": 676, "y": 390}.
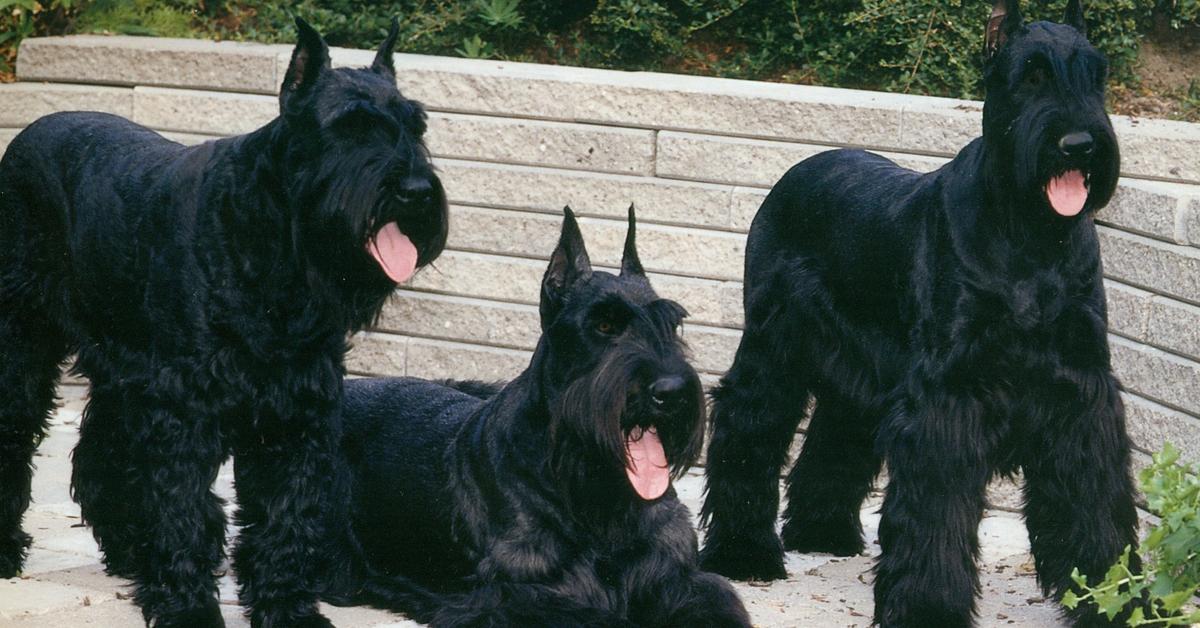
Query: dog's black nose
{"x": 416, "y": 189}
{"x": 667, "y": 392}
{"x": 1076, "y": 144}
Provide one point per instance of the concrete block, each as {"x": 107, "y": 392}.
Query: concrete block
{"x": 190, "y": 63}
{"x": 1148, "y": 207}
{"x": 1189, "y": 224}
{"x": 745, "y": 204}
{"x": 1167, "y": 268}
{"x": 1158, "y": 148}
{"x": 1174, "y": 325}
{"x": 649, "y": 100}
{"x": 675, "y": 250}
{"x": 742, "y": 161}
{"x": 377, "y": 354}
{"x": 435, "y": 359}
{"x": 1157, "y": 375}
{"x": 940, "y": 125}
{"x": 1128, "y": 309}
{"x": 1151, "y": 424}
{"x": 207, "y": 113}
{"x": 515, "y": 326}
{"x": 22, "y": 103}
{"x": 588, "y": 193}
{"x": 540, "y": 143}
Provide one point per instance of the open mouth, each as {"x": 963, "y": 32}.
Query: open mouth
{"x": 1068, "y": 192}
{"x": 646, "y": 463}
{"x": 394, "y": 252}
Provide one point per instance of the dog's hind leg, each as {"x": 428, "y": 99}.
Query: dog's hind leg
{"x": 1079, "y": 498}
{"x": 755, "y": 412}
{"x": 33, "y": 350}
{"x": 832, "y": 475}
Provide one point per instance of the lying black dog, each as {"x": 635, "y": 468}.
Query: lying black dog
{"x": 551, "y": 500}
{"x": 208, "y": 291}
{"x": 951, "y": 324}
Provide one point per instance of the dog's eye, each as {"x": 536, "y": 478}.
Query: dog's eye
{"x": 606, "y": 327}
{"x": 1034, "y": 77}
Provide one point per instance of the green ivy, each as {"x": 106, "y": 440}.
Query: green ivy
{"x": 1170, "y": 579}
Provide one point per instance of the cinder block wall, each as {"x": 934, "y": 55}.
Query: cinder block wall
{"x": 515, "y": 142}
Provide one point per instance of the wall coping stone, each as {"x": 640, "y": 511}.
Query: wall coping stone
{"x": 1152, "y": 148}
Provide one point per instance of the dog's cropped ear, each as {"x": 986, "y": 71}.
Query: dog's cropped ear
{"x": 1005, "y": 20}
{"x": 383, "y": 58}
{"x": 569, "y": 263}
{"x": 1073, "y": 17}
{"x": 309, "y": 59}
{"x": 630, "y": 264}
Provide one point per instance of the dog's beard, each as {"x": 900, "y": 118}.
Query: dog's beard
{"x": 1065, "y": 185}
{"x": 602, "y": 429}
{"x": 362, "y": 216}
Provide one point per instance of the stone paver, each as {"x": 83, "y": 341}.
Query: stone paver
{"x": 64, "y": 584}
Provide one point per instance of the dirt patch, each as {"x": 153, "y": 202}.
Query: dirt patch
{"x": 1169, "y": 68}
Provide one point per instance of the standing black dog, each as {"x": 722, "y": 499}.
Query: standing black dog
{"x": 551, "y": 500}
{"x": 951, "y": 324}
{"x": 208, "y": 292}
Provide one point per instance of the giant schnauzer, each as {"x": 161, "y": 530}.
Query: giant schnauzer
{"x": 551, "y": 500}
{"x": 208, "y": 292}
{"x": 951, "y": 324}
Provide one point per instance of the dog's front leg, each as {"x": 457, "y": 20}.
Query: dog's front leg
{"x": 1079, "y": 496}
{"x": 937, "y": 462}
{"x": 291, "y": 493}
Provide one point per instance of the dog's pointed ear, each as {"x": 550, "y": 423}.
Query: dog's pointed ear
{"x": 630, "y": 264}
{"x": 1073, "y": 17}
{"x": 309, "y": 59}
{"x": 1005, "y": 20}
{"x": 569, "y": 263}
{"x": 383, "y": 58}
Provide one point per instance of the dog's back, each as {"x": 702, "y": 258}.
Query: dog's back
{"x": 852, "y": 220}
{"x": 86, "y": 207}
{"x": 396, "y": 434}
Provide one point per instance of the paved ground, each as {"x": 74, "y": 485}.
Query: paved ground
{"x": 63, "y": 584}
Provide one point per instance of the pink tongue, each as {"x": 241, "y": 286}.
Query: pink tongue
{"x": 1067, "y": 193}
{"x": 647, "y": 468}
{"x": 395, "y": 252}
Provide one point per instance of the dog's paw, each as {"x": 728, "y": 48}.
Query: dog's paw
{"x": 208, "y": 616}
{"x": 839, "y": 539}
{"x": 12, "y": 553}
{"x": 762, "y": 562}
{"x": 312, "y": 621}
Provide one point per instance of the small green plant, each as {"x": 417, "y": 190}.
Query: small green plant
{"x": 476, "y": 48}
{"x": 1170, "y": 577}
{"x": 501, "y": 13}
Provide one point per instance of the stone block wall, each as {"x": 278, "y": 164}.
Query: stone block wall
{"x": 515, "y": 142}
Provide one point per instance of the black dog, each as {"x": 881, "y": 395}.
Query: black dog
{"x": 208, "y": 292}
{"x": 550, "y": 501}
{"x": 951, "y": 324}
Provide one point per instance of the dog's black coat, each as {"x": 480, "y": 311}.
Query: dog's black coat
{"x": 208, "y": 292}
{"x": 518, "y": 505}
{"x": 951, "y": 324}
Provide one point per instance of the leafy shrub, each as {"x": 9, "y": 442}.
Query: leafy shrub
{"x": 1171, "y": 576}
{"x": 919, "y": 46}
